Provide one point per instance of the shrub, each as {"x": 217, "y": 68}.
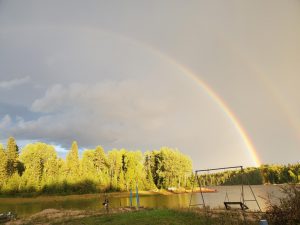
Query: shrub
{"x": 287, "y": 211}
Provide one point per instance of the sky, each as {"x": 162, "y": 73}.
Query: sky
{"x": 218, "y": 80}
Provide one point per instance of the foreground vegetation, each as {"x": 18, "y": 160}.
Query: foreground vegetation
{"x": 160, "y": 216}
{"x": 287, "y": 211}
{"x": 134, "y": 217}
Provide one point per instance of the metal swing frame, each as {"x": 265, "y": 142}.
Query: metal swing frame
{"x": 228, "y": 203}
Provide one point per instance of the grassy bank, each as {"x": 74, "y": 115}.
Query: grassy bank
{"x": 132, "y": 217}
{"x": 159, "y": 216}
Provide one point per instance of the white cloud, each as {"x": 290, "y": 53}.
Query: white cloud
{"x": 102, "y": 112}
{"x": 131, "y": 114}
{"x": 5, "y": 122}
{"x": 8, "y": 84}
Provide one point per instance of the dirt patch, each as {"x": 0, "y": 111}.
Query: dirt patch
{"x": 49, "y": 216}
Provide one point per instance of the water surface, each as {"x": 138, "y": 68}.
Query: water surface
{"x": 94, "y": 202}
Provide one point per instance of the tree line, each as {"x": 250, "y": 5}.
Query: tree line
{"x": 265, "y": 174}
{"x": 38, "y": 169}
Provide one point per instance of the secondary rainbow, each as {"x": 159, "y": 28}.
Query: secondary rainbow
{"x": 262, "y": 77}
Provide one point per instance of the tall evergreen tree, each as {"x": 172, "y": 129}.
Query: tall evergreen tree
{"x": 100, "y": 159}
{"x": 12, "y": 152}
{"x": 73, "y": 162}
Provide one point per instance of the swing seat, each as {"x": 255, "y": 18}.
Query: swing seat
{"x": 242, "y": 205}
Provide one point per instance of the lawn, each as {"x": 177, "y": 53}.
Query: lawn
{"x": 131, "y": 216}
{"x": 156, "y": 216}
{"x": 161, "y": 216}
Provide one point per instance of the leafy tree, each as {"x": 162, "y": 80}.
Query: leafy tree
{"x": 115, "y": 168}
{"x": 40, "y": 161}
{"x": 169, "y": 167}
{"x": 156, "y": 166}
{"x": 95, "y": 167}
{"x": 73, "y": 163}
{"x": 13, "y": 184}
{"x": 3, "y": 166}
{"x": 148, "y": 163}
{"x": 100, "y": 159}
{"x": 133, "y": 169}
{"x": 39, "y": 169}
{"x": 87, "y": 164}
{"x": 101, "y": 165}
{"x": 62, "y": 170}
{"x": 12, "y": 152}
{"x": 50, "y": 167}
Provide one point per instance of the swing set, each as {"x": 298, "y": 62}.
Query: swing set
{"x": 202, "y": 181}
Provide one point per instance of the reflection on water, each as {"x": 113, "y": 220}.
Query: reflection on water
{"x": 151, "y": 201}
{"x": 234, "y": 194}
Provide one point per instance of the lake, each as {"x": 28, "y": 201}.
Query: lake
{"x": 24, "y": 207}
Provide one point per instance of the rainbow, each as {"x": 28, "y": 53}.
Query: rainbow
{"x": 186, "y": 71}
{"x": 214, "y": 96}
{"x": 222, "y": 104}
{"x": 262, "y": 77}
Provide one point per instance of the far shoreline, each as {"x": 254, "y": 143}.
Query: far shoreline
{"x": 35, "y": 196}
{"x": 29, "y": 197}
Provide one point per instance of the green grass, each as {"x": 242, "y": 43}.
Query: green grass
{"x": 141, "y": 217}
{"x": 156, "y": 217}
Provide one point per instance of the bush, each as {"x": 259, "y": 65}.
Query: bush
{"x": 287, "y": 211}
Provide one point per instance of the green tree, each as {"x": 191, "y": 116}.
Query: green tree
{"x": 134, "y": 172}
{"x": 100, "y": 160}
{"x": 12, "y": 152}
{"x": 118, "y": 170}
{"x": 13, "y": 184}
{"x": 115, "y": 168}
{"x": 50, "y": 167}
{"x": 87, "y": 164}
{"x": 148, "y": 163}
{"x": 156, "y": 167}
{"x": 169, "y": 167}
{"x": 40, "y": 161}
{"x": 175, "y": 167}
{"x": 3, "y": 166}
{"x": 73, "y": 163}
{"x": 95, "y": 167}
{"x": 62, "y": 170}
